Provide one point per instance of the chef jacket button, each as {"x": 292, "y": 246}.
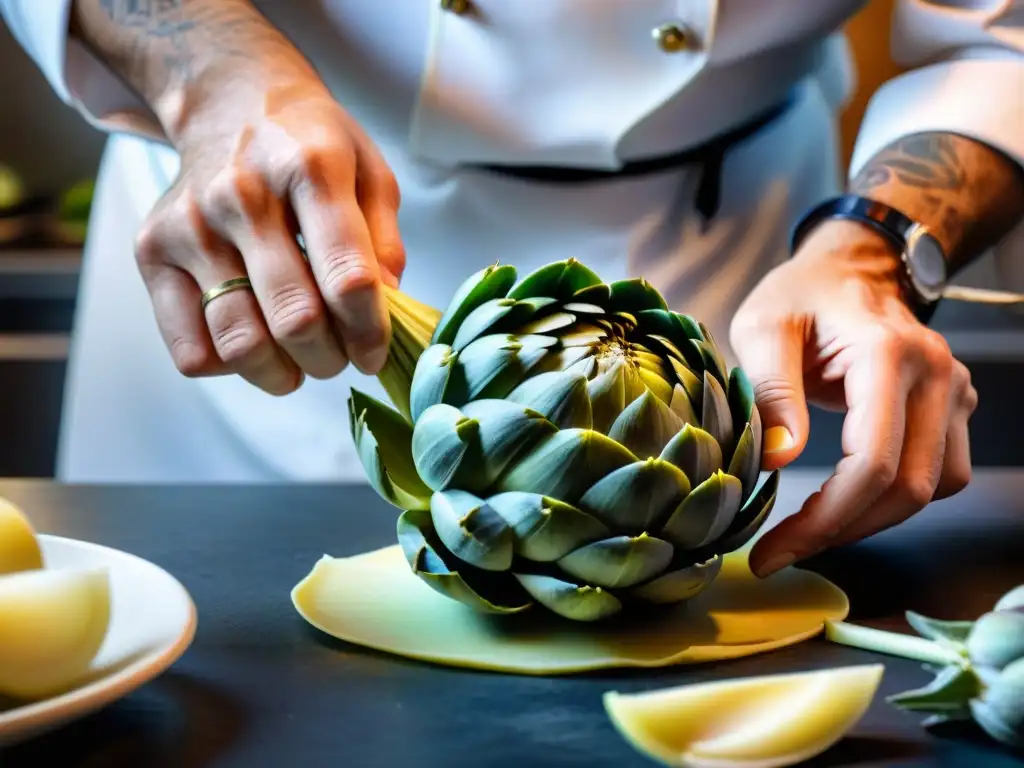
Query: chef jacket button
{"x": 673, "y": 37}
{"x": 459, "y": 7}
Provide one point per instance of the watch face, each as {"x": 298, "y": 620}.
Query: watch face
{"x": 926, "y": 263}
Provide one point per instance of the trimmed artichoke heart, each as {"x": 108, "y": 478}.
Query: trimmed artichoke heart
{"x": 562, "y": 442}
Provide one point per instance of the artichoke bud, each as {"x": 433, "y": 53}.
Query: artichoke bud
{"x": 997, "y": 639}
{"x": 1000, "y": 708}
{"x": 564, "y": 443}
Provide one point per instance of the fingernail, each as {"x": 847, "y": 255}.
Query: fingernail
{"x": 775, "y": 564}
{"x": 777, "y": 439}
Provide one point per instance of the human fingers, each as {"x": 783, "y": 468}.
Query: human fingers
{"x": 877, "y": 382}
{"x": 340, "y": 251}
{"x": 956, "y": 465}
{"x": 235, "y": 324}
{"x": 771, "y": 352}
{"x": 379, "y": 199}
{"x": 254, "y": 219}
{"x": 928, "y": 418}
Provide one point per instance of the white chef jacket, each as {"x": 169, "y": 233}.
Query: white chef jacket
{"x": 579, "y": 83}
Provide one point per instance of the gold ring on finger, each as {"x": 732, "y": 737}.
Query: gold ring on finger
{"x": 234, "y": 284}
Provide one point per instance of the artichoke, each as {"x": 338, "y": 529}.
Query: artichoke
{"x": 978, "y": 666}
{"x": 562, "y": 442}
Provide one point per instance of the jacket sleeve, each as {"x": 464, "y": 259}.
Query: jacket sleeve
{"x": 965, "y": 75}
{"x": 78, "y": 78}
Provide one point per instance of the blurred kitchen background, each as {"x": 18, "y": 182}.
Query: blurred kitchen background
{"x": 54, "y": 155}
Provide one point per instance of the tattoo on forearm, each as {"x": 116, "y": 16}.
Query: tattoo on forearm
{"x": 969, "y": 194}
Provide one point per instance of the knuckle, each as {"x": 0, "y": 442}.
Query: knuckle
{"x": 322, "y": 162}
{"x": 190, "y": 358}
{"x": 937, "y": 353}
{"x": 918, "y": 489}
{"x": 232, "y": 190}
{"x": 240, "y": 340}
{"x": 957, "y": 480}
{"x": 970, "y": 399}
{"x": 890, "y": 343}
{"x": 882, "y": 470}
{"x": 386, "y": 186}
{"x": 294, "y": 315}
{"x": 391, "y": 251}
{"x": 347, "y": 271}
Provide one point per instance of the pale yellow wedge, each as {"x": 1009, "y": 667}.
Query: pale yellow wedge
{"x": 19, "y": 547}
{"x": 757, "y": 722}
{"x": 53, "y": 624}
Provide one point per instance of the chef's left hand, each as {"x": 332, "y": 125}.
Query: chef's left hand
{"x": 829, "y": 327}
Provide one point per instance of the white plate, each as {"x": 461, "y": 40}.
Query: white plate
{"x": 152, "y": 623}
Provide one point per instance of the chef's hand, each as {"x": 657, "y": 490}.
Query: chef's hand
{"x": 268, "y": 154}
{"x": 829, "y": 327}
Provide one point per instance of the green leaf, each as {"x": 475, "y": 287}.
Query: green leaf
{"x": 953, "y": 632}
{"x": 678, "y": 585}
{"x": 618, "y": 562}
{"x": 492, "y": 366}
{"x": 716, "y": 419}
{"x": 1002, "y": 706}
{"x": 746, "y": 462}
{"x": 744, "y": 409}
{"x": 505, "y": 431}
{"x": 439, "y": 442}
{"x": 657, "y": 384}
{"x": 638, "y": 497}
{"x": 1012, "y": 599}
{"x": 564, "y": 465}
{"x": 607, "y": 393}
{"x": 646, "y": 426}
{"x": 706, "y": 513}
{"x": 691, "y": 329}
{"x": 682, "y": 407}
{"x": 579, "y": 603}
{"x": 546, "y": 529}
{"x": 948, "y": 694}
{"x": 492, "y": 282}
{"x": 559, "y": 280}
{"x": 751, "y": 517}
{"x": 485, "y": 317}
{"x": 383, "y": 441}
{"x": 430, "y": 378}
{"x": 994, "y": 726}
{"x": 690, "y": 382}
{"x": 695, "y": 452}
{"x": 635, "y": 295}
{"x": 712, "y": 360}
{"x": 560, "y": 396}
{"x": 548, "y": 324}
{"x": 490, "y": 593}
{"x": 997, "y": 639}
{"x": 471, "y": 530}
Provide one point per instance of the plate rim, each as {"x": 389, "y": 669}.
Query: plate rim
{"x": 97, "y": 694}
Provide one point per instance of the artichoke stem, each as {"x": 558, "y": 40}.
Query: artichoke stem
{"x": 892, "y": 643}
{"x": 412, "y": 326}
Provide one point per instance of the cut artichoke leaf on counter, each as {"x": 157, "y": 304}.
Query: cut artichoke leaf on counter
{"x": 595, "y": 396}
{"x": 376, "y": 600}
{"x": 978, "y": 666}
{"x": 756, "y": 722}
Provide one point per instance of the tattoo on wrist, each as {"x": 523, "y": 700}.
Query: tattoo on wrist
{"x": 926, "y": 161}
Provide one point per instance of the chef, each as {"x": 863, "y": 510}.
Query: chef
{"x": 684, "y": 141}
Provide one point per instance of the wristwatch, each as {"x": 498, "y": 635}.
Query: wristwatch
{"x": 924, "y": 276}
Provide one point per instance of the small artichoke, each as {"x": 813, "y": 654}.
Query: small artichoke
{"x": 978, "y": 665}
{"x": 562, "y": 442}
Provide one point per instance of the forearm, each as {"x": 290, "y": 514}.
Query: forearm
{"x": 969, "y": 195}
{"x": 161, "y": 48}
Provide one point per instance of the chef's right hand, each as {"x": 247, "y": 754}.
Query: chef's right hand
{"x": 267, "y": 154}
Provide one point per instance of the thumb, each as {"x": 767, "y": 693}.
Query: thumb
{"x": 773, "y": 358}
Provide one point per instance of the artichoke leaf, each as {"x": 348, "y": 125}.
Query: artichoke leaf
{"x": 712, "y": 362}
{"x": 546, "y": 529}
{"x": 953, "y": 633}
{"x": 384, "y": 443}
{"x": 678, "y": 585}
{"x": 681, "y": 405}
{"x": 751, "y": 516}
{"x": 744, "y": 409}
{"x": 505, "y": 431}
{"x": 560, "y": 396}
{"x": 646, "y": 426}
{"x": 622, "y": 561}
{"x": 559, "y": 280}
{"x": 571, "y": 601}
{"x": 695, "y": 452}
{"x": 997, "y": 639}
{"x": 638, "y": 497}
{"x": 492, "y": 366}
{"x": 548, "y": 324}
{"x": 691, "y": 329}
{"x": 582, "y": 308}
{"x": 492, "y": 282}
{"x": 706, "y": 513}
{"x": 565, "y": 465}
{"x": 1012, "y": 599}
{"x": 439, "y": 443}
{"x": 635, "y": 295}
{"x": 691, "y": 383}
{"x": 583, "y": 334}
{"x": 607, "y": 393}
{"x": 484, "y": 318}
{"x": 430, "y": 378}
{"x": 746, "y": 463}
{"x": 558, "y": 359}
{"x": 669, "y": 348}
{"x": 948, "y": 694}
{"x": 471, "y": 530}
{"x": 419, "y": 544}
{"x": 716, "y": 419}
{"x": 657, "y": 384}
{"x": 1000, "y": 710}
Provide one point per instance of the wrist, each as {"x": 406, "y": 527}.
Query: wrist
{"x": 853, "y": 249}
